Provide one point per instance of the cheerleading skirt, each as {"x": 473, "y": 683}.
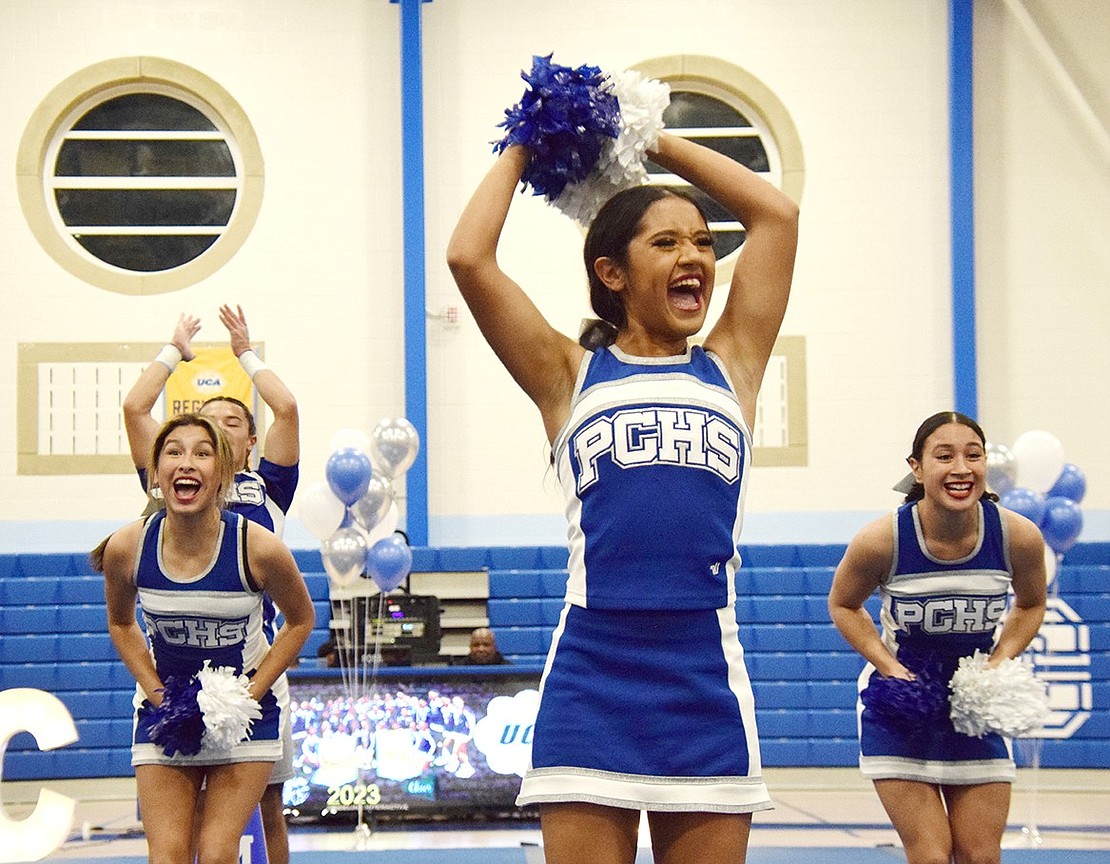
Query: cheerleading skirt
{"x": 933, "y": 753}
{"x": 264, "y": 741}
{"x": 646, "y": 711}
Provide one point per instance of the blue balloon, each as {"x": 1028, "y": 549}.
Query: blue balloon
{"x": 1070, "y": 484}
{"x": 1061, "y": 524}
{"x": 1027, "y": 502}
{"x": 389, "y": 561}
{"x": 348, "y": 472}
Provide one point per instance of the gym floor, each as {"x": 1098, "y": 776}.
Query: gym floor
{"x": 1056, "y": 816}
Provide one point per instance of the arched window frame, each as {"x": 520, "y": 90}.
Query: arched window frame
{"x": 95, "y": 84}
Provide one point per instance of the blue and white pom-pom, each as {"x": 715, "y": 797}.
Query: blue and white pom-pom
{"x": 563, "y": 118}
{"x": 589, "y": 133}
{"x": 621, "y": 163}
{"x": 212, "y": 710}
{"x": 1006, "y": 699}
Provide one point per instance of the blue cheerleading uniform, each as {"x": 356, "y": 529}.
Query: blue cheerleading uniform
{"x": 263, "y": 496}
{"x": 933, "y": 613}
{"x": 645, "y": 699}
{"x": 215, "y": 616}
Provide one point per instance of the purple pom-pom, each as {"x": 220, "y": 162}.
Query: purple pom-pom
{"x": 179, "y": 723}
{"x": 564, "y": 118}
{"x": 906, "y": 704}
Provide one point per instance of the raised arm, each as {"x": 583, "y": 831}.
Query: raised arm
{"x": 137, "y": 405}
{"x": 1026, "y": 613}
{"x": 283, "y": 438}
{"x": 864, "y": 565}
{"x": 749, "y": 324}
{"x": 541, "y": 360}
{"x": 273, "y": 566}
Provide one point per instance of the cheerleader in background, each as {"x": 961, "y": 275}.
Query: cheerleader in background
{"x": 262, "y": 495}
{"x": 200, "y": 574}
{"x": 943, "y": 564}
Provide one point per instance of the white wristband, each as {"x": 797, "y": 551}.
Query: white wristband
{"x": 252, "y": 364}
{"x": 169, "y": 356}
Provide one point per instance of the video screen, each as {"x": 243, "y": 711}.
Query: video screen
{"x": 409, "y": 743}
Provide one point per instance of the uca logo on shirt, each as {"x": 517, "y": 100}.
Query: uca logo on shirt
{"x": 634, "y": 437}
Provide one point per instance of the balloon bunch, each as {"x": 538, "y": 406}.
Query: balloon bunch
{"x": 1032, "y": 479}
{"x": 354, "y": 514}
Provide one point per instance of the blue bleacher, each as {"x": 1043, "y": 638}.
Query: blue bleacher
{"x": 803, "y": 673}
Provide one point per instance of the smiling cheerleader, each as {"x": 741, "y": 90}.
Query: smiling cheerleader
{"x": 943, "y": 565}
{"x": 211, "y": 690}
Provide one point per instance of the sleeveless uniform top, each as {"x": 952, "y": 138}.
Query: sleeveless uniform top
{"x": 652, "y": 462}
{"x": 264, "y": 497}
{"x": 945, "y": 609}
{"x": 214, "y": 616}
{"x": 933, "y": 613}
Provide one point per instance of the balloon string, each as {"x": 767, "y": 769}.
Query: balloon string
{"x": 344, "y": 645}
{"x": 378, "y": 636}
{"x": 1033, "y": 745}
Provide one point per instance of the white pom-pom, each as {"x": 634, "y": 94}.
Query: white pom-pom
{"x": 642, "y": 103}
{"x": 226, "y": 706}
{"x": 621, "y": 164}
{"x": 1006, "y": 699}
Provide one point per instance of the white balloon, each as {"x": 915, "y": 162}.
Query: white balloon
{"x": 1051, "y": 563}
{"x": 350, "y": 439}
{"x": 320, "y": 511}
{"x": 1040, "y": 459}
{"x": 386, "y": 526}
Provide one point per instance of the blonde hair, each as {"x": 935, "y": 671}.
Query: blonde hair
{"x": 225, "y": 468}
{"x": 225, "y": 464}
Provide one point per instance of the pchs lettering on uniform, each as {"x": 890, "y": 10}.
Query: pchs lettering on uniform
{"x": 199, "y": 633}
{"x": 659, "y": 436}
{"x": 949, "y": 614}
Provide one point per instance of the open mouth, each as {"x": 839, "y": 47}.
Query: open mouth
{"x": 686, "y": 294}
{"x": 185, "y": 489}
{"x": 960, "y": 490}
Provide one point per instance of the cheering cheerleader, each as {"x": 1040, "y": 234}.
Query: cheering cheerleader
{"x": 200, "y": 573}
{"x": 645, "y": 702}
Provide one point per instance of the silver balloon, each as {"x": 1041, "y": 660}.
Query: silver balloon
{"x": 374, "y": 504}
{"x": 1001, "y": 468}
{"x": 344, "y": 556}
{"x": 394, "y": 444}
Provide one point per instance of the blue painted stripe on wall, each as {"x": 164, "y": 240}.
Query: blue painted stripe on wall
{"x": 412, "y": 173}
{"x": 962, "y": 168}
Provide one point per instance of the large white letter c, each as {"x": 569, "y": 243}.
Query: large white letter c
{"x": 23, "y": 709}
